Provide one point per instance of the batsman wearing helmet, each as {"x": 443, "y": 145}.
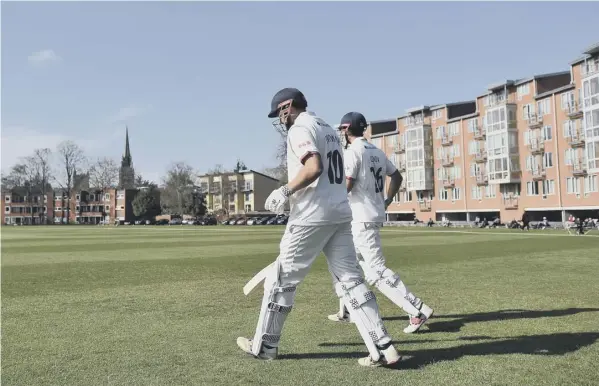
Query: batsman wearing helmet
{"x": 366, "y": 168}
{"x": 319, "y": 221}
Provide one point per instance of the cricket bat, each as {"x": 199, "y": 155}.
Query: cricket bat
{"x": 257, "y": 279}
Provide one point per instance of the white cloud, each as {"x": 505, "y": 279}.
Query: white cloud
{"x": 129, "y": 112}
{"x": 43, "y": 56}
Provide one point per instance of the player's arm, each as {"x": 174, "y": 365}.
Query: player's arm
{"x": 352, "y": 166}
{"x": 303, "y": 144}
{"x": 394, "y": 183}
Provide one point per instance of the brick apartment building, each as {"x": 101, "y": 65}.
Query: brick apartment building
{"x": 523, "y": 145}
{"x": 242, "y": 192}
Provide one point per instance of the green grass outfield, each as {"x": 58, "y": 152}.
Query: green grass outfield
{"x": 163, "y": 306}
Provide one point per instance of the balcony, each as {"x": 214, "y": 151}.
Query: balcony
{"x": 446, "y": 140}
{"x": 247, "y": 188}
{"x": 576, "y": 139}
{"x": 447, "y": 160}
{"x": 574, "y": 110}
{"x": 534, "y": 121}
{"x": 399, "y": 147}
{"x": 401, "y": 166}
{"x": 482, "y": 179}
{"x": 536, "y": 146}
{"x": 449, "y": 183}
{"x": 579, "y": 168}
{"x": 480, "y": 132}
{"x": 510, "y": 202}
{"x": 402, "y": 188}
{"x": 425, "y": 206}
{"x": 215, "y": 190}
{"x": 480, "y": 156}
{"x": 538, "y": 173}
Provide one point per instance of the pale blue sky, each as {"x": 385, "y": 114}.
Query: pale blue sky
{"x": 193, "y": 81}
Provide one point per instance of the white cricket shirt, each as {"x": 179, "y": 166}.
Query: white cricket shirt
{"x": 324, "y": 201}
{"x": 368, "y": 166}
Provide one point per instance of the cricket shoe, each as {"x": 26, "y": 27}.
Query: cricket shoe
{"x": 418, "y": 321}
{"x": 338, "y": 318}
{"x": 389, "y": 356}
{"x": 266, "y": 353}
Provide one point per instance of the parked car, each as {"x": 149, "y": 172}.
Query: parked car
{"x": 263, "y": 220}
{"x": 233, "y": 221}
{"x": 225, "y": 222}
{"x": 162, "y": 222}
{"x": 175, "y": 221}
{"x": 208, "y": 220}
{"x": 253, "y": 221}
{"x": 282, "y": 220}
{"x": 272, "y": 220}
{"x": 241, "y": 221}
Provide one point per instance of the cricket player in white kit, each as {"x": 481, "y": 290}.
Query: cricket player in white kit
{"x": 366, "y": 167}
{"x": 319, "y": 221}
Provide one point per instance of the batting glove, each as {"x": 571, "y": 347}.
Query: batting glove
{"x": 277, "y": 199}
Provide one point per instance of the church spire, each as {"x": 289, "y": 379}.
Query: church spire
{"x": 127, "y": 151}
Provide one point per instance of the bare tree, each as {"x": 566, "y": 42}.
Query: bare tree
{"x": 217, "y": 169}
{"x": 32, "y": 181}
{"x": 177, "y": 193}
{"x": 16, "y": 177}
{"x": 71, "y": 158}
{"x": 104, "y": 173}
{"x": 41, "y": 161}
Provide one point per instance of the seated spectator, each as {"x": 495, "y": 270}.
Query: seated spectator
{"x": 430, "y": 222}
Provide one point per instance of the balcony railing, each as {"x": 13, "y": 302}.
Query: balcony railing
{"x": 401, "y": 166}
{"x": 536, "y": 146}
{"x": 579, "y": 167}
{"x": 399, "y": 147}
{"x": 482, "y": 179}
{"x": 425, "y": 206}
{"x": 447, "y": 160}
{"x": 574, "y": 109}
{"x": 510, "y": 202}
{"x": 480, "y": 156}
{"x": 538, "y": 173}
{"x": 480, "y": 132}
{"x": 446, "y": 140}
{"x": 576, "y": 138}
{"x": 534, "y": 121}
{"x": 449, "y": 182}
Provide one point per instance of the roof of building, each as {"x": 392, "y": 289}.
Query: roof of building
{"x": 587, "y": 53}
{"x": 245, "y": 171}
{"x": 540, "y": 76}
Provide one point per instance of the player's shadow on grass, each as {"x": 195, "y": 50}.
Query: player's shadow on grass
{"x": 462, "y": 319}
{"x": 550, "y": 344}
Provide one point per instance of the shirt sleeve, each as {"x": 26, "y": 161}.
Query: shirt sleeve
{"x": 390, "y": 167}
{"x": 301, "y": 142}
{"x": 352, "y": 164}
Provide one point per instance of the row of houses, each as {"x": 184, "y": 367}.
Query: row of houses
{"x": 524, "y": 145}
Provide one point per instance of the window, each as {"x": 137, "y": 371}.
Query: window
{"x": 77, "y": 197}
{"x": 455, "y": 194}
{"x": 7, "y": 209}
{"x": 523, "y": 89}
{"x": 590, "y": 91}
{"x": 248, "y": 185}
{"x": 567, "y": 99}
{"x": 437, "y": 114}
{"x": 548, "y": 160}
{"x": 528, "y": 110}
{"x": 454, "y": 129}
{"x": 548, "y": 187}
{"x": 440, "y": 131}
{"x": 443, "y": 195}
{"x": 107, "y": 208}
{"x": 378, "y": 142}
{"x": 569, "y": 128}
{"x": 120, "y": 196}
{"x": 247, "y": 196}
{"x": 572, "y": 185}
{"x": 532, "y": 188}
{"x": 490, "y": 191}
{"x": 544, "y": 106}
{"x": 456, "y": 150}
{"x": 570, "y": 156}
{"x": 546, "y": 133}
{"x": 590, "y": 184}
{"x": 407, "y": 196}
{"x": 476, "y": 193}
